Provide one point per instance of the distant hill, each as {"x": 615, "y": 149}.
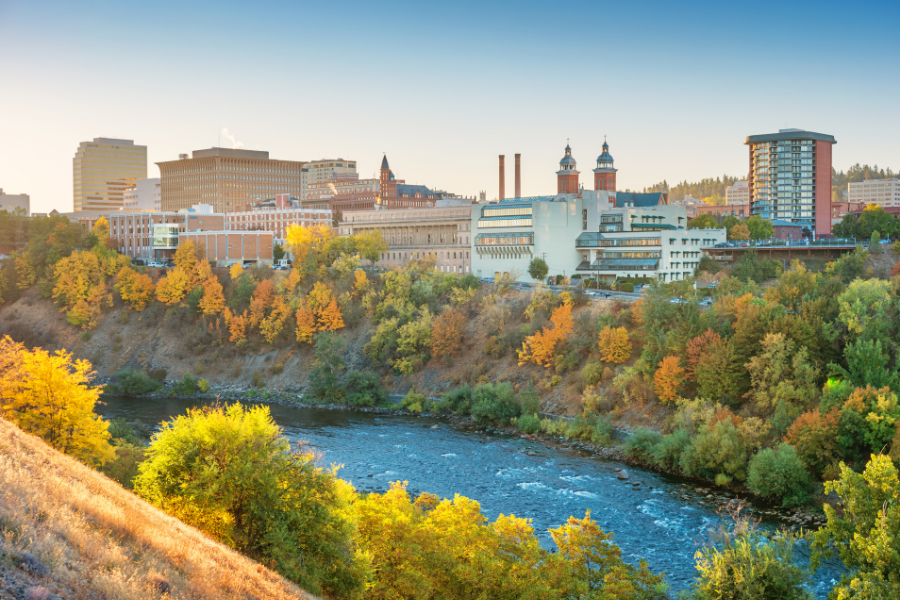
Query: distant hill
{"x": 78, "y": 534}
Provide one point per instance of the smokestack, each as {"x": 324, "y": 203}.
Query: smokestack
{"x": 502, "y": 177}
{"x": 518, "y": 176}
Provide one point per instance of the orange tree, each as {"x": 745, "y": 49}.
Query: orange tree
{"x": 615, "y": 346}
{"x": 447, "y": 333}
{"x": 668, "y": 378}
{"x": 539, "y": 348}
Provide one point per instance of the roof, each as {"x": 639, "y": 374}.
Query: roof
{"x": 384, "y": 163}
{"x": 794, "y": 134}
{"x": 640, "y": 200}
{"x": 655, "y": 225}
{"x": 529, "y": 199}
{"x": 411, "y": 190}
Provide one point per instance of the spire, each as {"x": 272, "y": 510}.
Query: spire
{"x": 384, "y": 162}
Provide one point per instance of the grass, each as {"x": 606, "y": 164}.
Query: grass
{"x": 99, "y": 540}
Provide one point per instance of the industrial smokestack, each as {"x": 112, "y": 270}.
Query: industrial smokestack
{"x": 502, "y": 177}
{"x": 518, "y": 176}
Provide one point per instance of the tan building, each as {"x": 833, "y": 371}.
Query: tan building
{"x": 154, "y": 236}
{"x": 10, "y": 202}
{"x": 417, "y": 232}
{"x": 226, "y": 178}
{"x": 739, "y": 193}
{"x": 103, "y": 169}
{"x": 326, "y": 170}
{"x": 883, "y": 192}
{"x": 740, "y": 210}
{"x": 224, "y": 248}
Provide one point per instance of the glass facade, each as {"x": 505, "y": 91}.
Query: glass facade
{"x": 784, "y": 181}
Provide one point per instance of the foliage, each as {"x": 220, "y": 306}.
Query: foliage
{"x": 759, "y": 228}
{"x": 363, "y": 388}
{"x": 718, "y": 452}
{"x": 306, "y": 325}
{"x": 413, "y": 401}
{"x": 814, "y": 435}
{"x": 188, "y": 386}
{"x": 132, "y": 382}
{"x": 866, "y": 535}
{"x": 230, "y": 472}
{"x": 779, "y": 473}
{"x": 528, "y": 423}
{"x": 539, "y": 348}
{"x": 668, "y": 378}
{"x": 48, "y": 395}
{"x": 538, "y": 269}
{"x": 739, "y": 232}
{"x": 323, "y": 381}
{"x": 615, "y": 346}
{"x": 447, "y": 333}
{"x": 867, "y": 309}
{"x": 213, "y": 301}
{"x": 642, "y": 443}
{"x": 173, "y": 287}
{"x": 849, "y": 266}
{"x": 782, "y": 380}
{"x": 867, "y": 364}
{"x": 703, "y": 221}
{"x": 494, "y": 402}
{"x": 137, "y": 289}
{"x": 458, "y": 400}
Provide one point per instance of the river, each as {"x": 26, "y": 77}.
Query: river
{"x": 663, "y": 519}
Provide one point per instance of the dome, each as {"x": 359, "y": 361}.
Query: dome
{"x": 568, "y": 159}
{"x": 606, "y": 158}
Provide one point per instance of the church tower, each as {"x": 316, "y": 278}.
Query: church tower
{"x": 387, "y": 184}
{"x": 605, "y": 174}
{"x": 567, "y": 176}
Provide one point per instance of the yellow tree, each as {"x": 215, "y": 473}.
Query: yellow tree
{"x": 135, "y": 288}
{"x": 273, "y": 324}
{"x": 361, "y": 283}
{"x": 236, "y": 271}
{"x": 213, "y": 300}
{"x": 26, "y": 274}
{"x": 740, "y": 232}
{"x": 186, "y": 256}
{"x": 292, "y": 281}
{"x": 48, "y": 395}
{"x": 615, "y": 347}
{"x": 263, "y": 296}
{"x": 304, "y": 241}
{"x": 668, "y": 378}
{"x": 173, "y": 288}
{"x": 76, "y": 276}
{"x": 447, "y": 334}
{"x": 101, "y": 230}
{"x": 237, "y": 326}
{"x": 540, "y": 347}
{"x": 330, "y": 318}
{"x": 306, "y": 325}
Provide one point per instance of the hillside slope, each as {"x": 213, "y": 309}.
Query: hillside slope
{"x": 78, "y": 534}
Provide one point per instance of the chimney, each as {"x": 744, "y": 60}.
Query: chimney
{"x": 502, "y": 177}
{"x": 518, "y": 176}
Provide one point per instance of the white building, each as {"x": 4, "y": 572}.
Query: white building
{"x": 739, "y": 193}
{"x": 10, "y": 202}
{"x": 276, "y": 215}
{"x": 883, "y": 192}
{"x": 144, "y": 196}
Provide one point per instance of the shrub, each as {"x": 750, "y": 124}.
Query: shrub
{"x": 203, "y": 385}
{"x": 592, "y": 429}
{"x": 628, "y": 287}
{"x": 667, "y": 453}
{"x": 198, "y": 369}
{"x": 132, "y": 382}
{"x": 186, "y": 387}
{"x": 276, "y": 369}
{"x": 779, "y": 473}
{"x": 258, "y": 382}
{"x": 158, "y": 374}
{"x": 529, "y": 401}
{"x": 554, "y": 426}
{"x": 642, "y": 444}
{"x": 363, "y": 388}
{"x": 592, "y": 373}
{"x": 458, "y": 400}
{"x": 528, "y": 424}
{"x": 494, "y": 402}
{"x": 413, "y": 401}
{"x": 717, "y": 452}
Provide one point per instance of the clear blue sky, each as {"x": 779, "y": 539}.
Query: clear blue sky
{"x": 444, "y": 88}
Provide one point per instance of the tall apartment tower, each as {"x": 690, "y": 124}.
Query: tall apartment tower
{"x": 102, "y": 169}
{"x": 567, "y": 176}
{"x": 790, "y": 178}
{"x": 605, "y": 174}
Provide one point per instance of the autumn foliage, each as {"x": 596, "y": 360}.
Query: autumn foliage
{"x": 539, "y": 348}
{"x": 137, "y": 289}
{"x": 615, "y": 346}
{"x": 668, "y": 378}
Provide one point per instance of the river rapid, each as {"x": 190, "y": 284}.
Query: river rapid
{"x": 657, "y": 517}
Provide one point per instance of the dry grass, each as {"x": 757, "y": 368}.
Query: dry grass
{"x": 99, "y": 540}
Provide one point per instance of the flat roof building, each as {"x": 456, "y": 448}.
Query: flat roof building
{"x": 883, "y": 192}
{"x": 103, "y": 169}
{"x": 790, "y": 178}
{"x": 228, "y": 179}
{"x": 10, "y": 202}
{"x": 143, "y": 196}
{"x": 739, "y": 193}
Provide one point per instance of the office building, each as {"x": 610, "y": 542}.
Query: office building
{"x": 144, "y": 196}
{"x": 325, "y": 171}
{"x": 228, "y": 179}
{"x": 739, "y": 193}
{"x": 737, "y": 209}
{"x": 10, "y": 202}
{"x": 883, "y": 192}
{"x": 154, "y": 235}
{"x": 276, "y": 215}
{"x": 103, "y": 169}
{"x": 790, "y": 178}
{"x": 413, "y": 233}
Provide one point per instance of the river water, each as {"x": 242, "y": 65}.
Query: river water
{"x": 663, "y": 520}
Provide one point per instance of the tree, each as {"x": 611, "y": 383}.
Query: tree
{"x": 447, "y": 334}
{"x": 308, "y": 242}
{"x": 779, "y": 473}
{"x": 371, "y": 245}
{"x": 728, "y": 223}
{"x": 278, "y": 252}
{"x": 137, "y": 289}
{"x": 759, "y": 228}
{"x": 695, "y": 349}
{"x": 330, "y": 318}
{"x": 323, "y": 380}
{"x": 174, "y": 287}
{"x": 186, "y": 256}
{"x": 213, "y": 301}
{"x": 361, "y": 281}
{"x": 263, "y": 297}
{"x": 782, "y": 380}
{"x": 866, "y": 535}
{"x": 48, "y": 395}
{"x": 538, "y": 269}
{"x": 703, "y": 221}
{"x": 867, "y": 308}
{"x": 273, "y": 324}
{"x": 668, "y": 378}
{"x": 814, "y": 435}
{"x": 235, "y": 271}
{"x": 292, "y": 281}
{"x": 540, "y": 347}
{"x": 306, "y": 325}
{"x": 101, "y": 230}
{"x": 739, "y": 232}
{"x": 229, "y": 471}
{"x": 615, "y": 347}
{"x": 237, "y": 325}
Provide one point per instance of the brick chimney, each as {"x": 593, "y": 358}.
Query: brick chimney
{"x": 502, "y": 177}
{"x": 518, "y": 175}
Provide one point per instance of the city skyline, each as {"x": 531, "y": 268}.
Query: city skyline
{"x": 443, "y": 90}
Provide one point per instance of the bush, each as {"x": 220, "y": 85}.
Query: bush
{"x": 413, "y": 401}
{"x": 627, "y": 287}
{"x": 528, "y": 424}
{"x": 779, "y": 473}
{"x": 158, "y": 374}
{"x": 642, "y": 444}
{"x": 258, "y": 381}
{"x": 186, "y": 387}
{"x": 591, "y": 429}
{"x": 718, "y": 453}
{"x": 494, "y": 402}
{"x": 203, "y": 385}
{"x": 667, "y": 453}
{"x": 592, "y": 373}
{"x": 132, "y": 382}
{"x": 363, "y": 388}
{"x": 458, "y": 400}
{"x": 529, "y": 401}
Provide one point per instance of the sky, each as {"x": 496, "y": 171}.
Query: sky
{"x": 444, "y": 88}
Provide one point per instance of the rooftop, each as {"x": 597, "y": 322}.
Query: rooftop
{"x": 790, "y": 134}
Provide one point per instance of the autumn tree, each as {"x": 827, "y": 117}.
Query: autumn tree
{"x": 273, "y": 324}
{"x": 306, "y": 325}
{"x": 370, "y": 245}
{"x": 174, "y": 287}
{"x": 782, "y": 380}
{"x": 49, "y": 395}
{"x": 361, "y": 282}
{"x": 308, "y": 243}
{"x": 815, "y": 436}
{"x": 186, "y": 256}
{"x": 668, "y": 378}
{"x": 615, "y": 346}
{"x": 101, "y": 230}
{"x": 330, "y": 317}
{"x": 237, "y": 325}
{"x": 739, "y": 232}
{"x": 539, "y": 348}
{"x": 695, "y": 349}
{"x": 447, "y": 334}
{"x": 137, "y": 289}
{"x": 263, "y": 297}
{"x": 235, "y": 271}
{"x": 291, "y": 282}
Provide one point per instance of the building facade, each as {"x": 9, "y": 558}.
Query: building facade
{"x": 10, "y": 202}
{"x": 228, "y": 179}
{"x": 740, "y": 210}
{"x": 103, "y": 169}
{"x": 414, "y": 233}
{"x": 276, "y": 215}
{"x": 225, "y": 248}
{"x": 883, "y": 192}
{"x": 154, "y": 236}
{"x": 144, "y": 196}
{"x": 739, "y": 193}
{"x": 790, "y": 178}
{"x": 321, "y": 172}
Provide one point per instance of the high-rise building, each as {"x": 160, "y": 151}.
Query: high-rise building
{"x": 790, "y": 178}
{"x": 228, "y": 179}
{"x": 325, "y": 171}
{"x": 739, "y": 193}
{"x": 883, "y": 192}
{"x": 144, "y": 196}
{"x": 102, "y": 169}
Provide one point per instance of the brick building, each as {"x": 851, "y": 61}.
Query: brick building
{"x": 224, "y": 248}
{"x": 276, "y": 215}
{"x": 741, "y": 211}
{"x": 154, "y": 236}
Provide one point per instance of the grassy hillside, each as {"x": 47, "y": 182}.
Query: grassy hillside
{"x": 78, "y": 534}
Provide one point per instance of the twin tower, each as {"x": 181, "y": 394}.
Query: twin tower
{"x": 567, "y": 176}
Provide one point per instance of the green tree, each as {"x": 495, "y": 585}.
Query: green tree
{"x": 782, "y": 380}
{"x": 867, "y": 364}
{"x": 866, "y": 536}
{"x": 760, "y": 229}
{"x": 779, "y": 473}
{"x": 703, "y": 221}
{"x": 538, "y": 269}
{"x": 230, "y": 472}
{"x": 278, "y": 252}
{"x": 867, "y": 309}
{"x": 323, "y": 381}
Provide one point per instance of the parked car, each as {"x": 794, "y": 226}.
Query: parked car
{"x": 706, "y": 302}
{"x": 248, "y": 265}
